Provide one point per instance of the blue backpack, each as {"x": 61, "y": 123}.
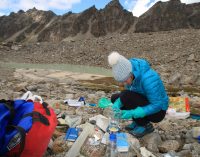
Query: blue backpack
{"x": 16, "y": 119}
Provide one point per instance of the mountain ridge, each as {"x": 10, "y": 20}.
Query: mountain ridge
{"x": 44, "y": 26}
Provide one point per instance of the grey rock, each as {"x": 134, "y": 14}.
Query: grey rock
{"x": 188, "y": 147}
{"x": 188, "y": 137}
{"x": 169, "y": 145}
{"x": 32, "y": 88}
{"x": 184, "y": 153}
{"x": 15, "y": 47}
{"x": 175, "y": 79}
{"x": 152, "y": 141}
{"x": 196, "y": 150}
{"x": 164, "y": 125}
{"x": 191, "y": 57}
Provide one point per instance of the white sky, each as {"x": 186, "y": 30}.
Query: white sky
{"x": 7, "y": 6}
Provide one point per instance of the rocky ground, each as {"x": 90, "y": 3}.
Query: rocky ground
{"x": 174, "y": 54}
{"x": 171, "y": 136}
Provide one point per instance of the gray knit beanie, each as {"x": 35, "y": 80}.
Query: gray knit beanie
{"x": 121, "y": 67}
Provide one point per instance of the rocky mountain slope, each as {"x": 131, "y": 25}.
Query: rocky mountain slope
{"x": 87, "y": 38}
{"x": 174, "y": 54}
{"x": 35, "y": 25}
{"x": 168, "y": 16}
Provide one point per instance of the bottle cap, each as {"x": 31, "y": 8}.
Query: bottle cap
{"x": 112, "y": 137}
{"x": 198, "y": 138}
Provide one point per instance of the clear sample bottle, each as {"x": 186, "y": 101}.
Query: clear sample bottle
{"x": 114, "y": 121}
{"x": 112, "y": 145}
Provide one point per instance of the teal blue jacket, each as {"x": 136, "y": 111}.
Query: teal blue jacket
{"x": 148, "y": 83}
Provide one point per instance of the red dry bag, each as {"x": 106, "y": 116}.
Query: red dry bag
{"x": 38, "y": 137}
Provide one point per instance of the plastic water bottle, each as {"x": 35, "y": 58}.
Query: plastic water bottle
{"x": 114, "y": 121}
{"x": 112, "y": 145}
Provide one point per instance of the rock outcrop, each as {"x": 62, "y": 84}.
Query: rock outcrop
{"x": 96, "y": 23}
{"x": 113, "y": 18}
{"x": 168, "y": 16}
{"x": 35, "y": 25}
{"x": 22, "y": 25}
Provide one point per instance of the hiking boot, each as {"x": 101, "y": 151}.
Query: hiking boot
{"x": 140, "y": 131}
{"x": 131, "y": 126}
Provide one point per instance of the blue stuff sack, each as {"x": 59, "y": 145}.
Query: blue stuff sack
{"x": 12, "y": 121}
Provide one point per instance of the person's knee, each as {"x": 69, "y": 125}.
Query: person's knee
{"x": 125, "y": 96}
{"x": 133, "y": 99}
{"x": 114, "y": 97}
{"x": 157, "y": 117}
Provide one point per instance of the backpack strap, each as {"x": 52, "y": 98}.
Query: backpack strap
{"x": 44, "y": 104}
{"x": 22, "y": 133}
{"x": 9, "y": 105}
{"x": 37, "y": 116}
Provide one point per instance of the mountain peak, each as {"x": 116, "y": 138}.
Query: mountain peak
{"x": 113, "y": 4}
{"x": 175, "y": 1}
{"x": 38, "y": 25}
{"x": 32, "y": 10}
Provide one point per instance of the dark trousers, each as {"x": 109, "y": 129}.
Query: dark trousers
{"x": 131, "y": 100}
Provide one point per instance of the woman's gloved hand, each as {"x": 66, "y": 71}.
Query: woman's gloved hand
{"x": 117, "y": 104}
{"x": 104, "y": 102}
{"x": 135, "y": 113}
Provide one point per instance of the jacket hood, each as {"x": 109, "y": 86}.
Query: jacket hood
{"x": 139, "y": 66}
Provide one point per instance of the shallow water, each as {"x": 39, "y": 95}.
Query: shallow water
{"x": 63, "y": 67}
